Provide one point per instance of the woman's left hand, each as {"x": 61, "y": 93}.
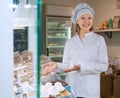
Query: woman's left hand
{"x": 74, "y": 68}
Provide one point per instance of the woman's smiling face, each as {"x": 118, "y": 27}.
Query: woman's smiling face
{"x": 85, "y": 22}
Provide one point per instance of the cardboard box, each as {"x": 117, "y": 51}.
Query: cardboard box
{"x": 106, "y": 86}
{"x": 116, "y": 89}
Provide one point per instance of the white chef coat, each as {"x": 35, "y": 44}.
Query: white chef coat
{"x": 91, "y": 54}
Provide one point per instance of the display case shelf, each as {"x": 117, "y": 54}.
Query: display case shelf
{"x": 57, "y": 27}
{"x": 58, "y": 37}
{"x": 56, "y": 31}
{"x": 54, "y": 56}
{"x": 55, "y": 46}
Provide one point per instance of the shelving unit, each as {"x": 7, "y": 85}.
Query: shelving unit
{"x": 108, "y": 32}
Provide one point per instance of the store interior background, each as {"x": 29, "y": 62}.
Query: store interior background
{"x": 104, "y": 9}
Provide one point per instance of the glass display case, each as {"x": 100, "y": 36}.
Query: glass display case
{"x": 58, "y": 30}
{"x": 27, "y": 49}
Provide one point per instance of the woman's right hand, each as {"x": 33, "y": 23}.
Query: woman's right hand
{"x": 74, "y": 68}
{"x": 50, "y": 67}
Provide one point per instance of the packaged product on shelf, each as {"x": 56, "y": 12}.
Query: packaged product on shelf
{"x": 116, "y": 22}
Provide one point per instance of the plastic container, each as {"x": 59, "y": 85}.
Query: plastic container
{"x": 62, "y": 75}
{"x": 110, "y": 23}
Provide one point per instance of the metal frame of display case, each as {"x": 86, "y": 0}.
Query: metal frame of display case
{"x": 39, "y": 43}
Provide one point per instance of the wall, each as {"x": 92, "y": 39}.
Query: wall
{"x": 6, "y": 50}
{"x": 104, "y": 9}
{"x": 71, "y": 3}
{"x": 113, "y": 44}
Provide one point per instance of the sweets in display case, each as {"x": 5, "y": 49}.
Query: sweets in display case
{"x": 52, "y": 84}
{"x": 23, "y": 75}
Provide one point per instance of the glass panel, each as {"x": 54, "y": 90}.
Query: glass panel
{"x": 26, "y": 57}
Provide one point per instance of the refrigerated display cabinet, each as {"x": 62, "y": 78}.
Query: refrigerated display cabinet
{"x": 58, "y": 30}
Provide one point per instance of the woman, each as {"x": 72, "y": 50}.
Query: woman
{"x": 85, "y": 55}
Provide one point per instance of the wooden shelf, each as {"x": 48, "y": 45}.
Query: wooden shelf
{"x": 107, "y": 30}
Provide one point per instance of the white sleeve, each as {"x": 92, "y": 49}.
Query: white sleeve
{"x": 101, "y": 63}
